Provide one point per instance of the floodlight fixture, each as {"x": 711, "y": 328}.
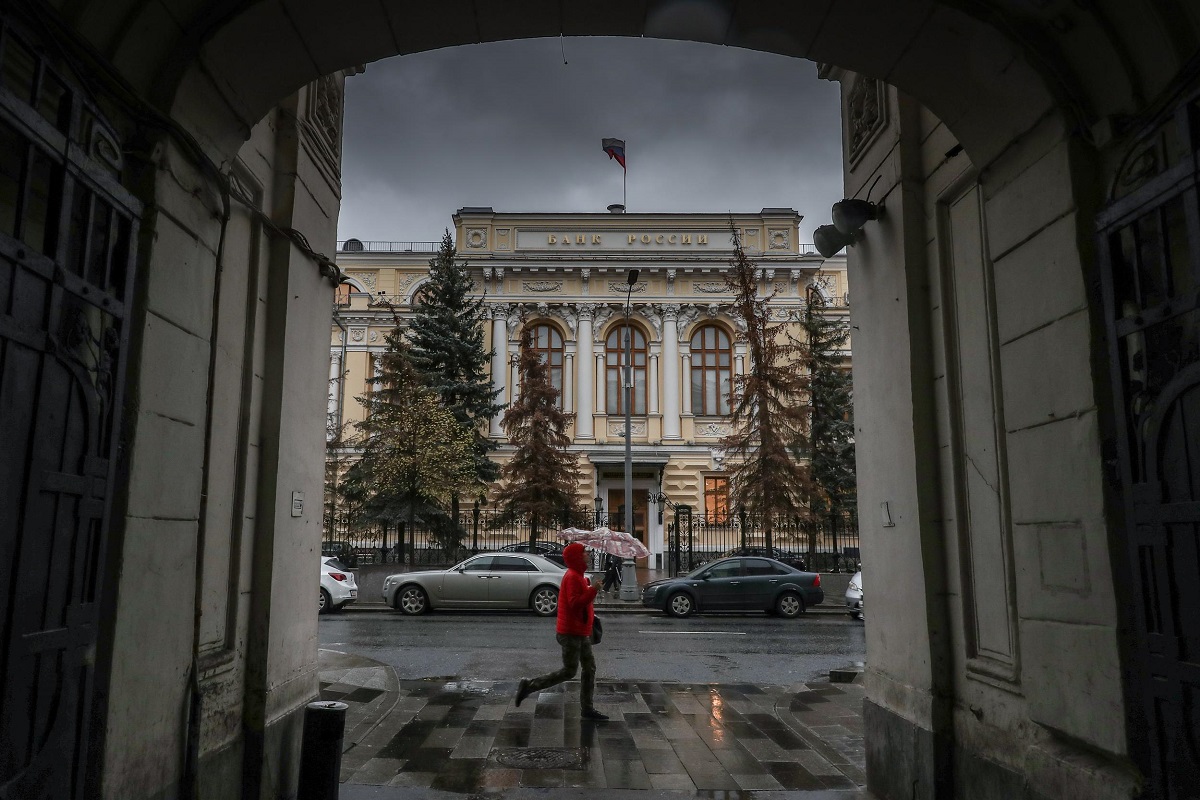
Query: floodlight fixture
{"x": 829, "y": 240}
{"x": 850, "y": 215}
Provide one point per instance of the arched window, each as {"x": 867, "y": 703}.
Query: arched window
{"x": 614, "y": 359}
{"x": 548, "y": 343}
{"x": 712, "y": 371}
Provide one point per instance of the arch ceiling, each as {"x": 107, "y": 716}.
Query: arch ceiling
{"x": 988, "y": 68}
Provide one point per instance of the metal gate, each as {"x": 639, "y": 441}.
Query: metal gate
{"x": 1149, "y": 248}
{"x": 66, "y": 234}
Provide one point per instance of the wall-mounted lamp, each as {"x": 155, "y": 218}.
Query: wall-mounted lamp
{"x": 848, "y": 218}
{"x": 850, "y": 215}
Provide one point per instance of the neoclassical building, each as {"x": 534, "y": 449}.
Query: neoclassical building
{"x": 563, "y": 277}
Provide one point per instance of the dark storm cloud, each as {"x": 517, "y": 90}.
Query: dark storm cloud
{"x": 508, "y": 125}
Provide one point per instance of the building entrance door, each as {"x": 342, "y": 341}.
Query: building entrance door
{"x": 1149, "y": 248}
{"x": 66, "y": 278}
{"x": 616, "y": 516}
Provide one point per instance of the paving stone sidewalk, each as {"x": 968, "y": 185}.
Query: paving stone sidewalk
{"x": 466, "y": 736}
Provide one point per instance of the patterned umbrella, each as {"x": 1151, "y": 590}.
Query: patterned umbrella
{"x": 618, "y": 543}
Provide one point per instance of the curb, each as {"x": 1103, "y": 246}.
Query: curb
{"x": 367, "y": 608}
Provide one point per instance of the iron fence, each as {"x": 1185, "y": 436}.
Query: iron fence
{"x": 824, "y": 543}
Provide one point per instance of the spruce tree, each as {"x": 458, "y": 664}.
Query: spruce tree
{"x": 415, "y": 455}
{"x": 447, "y": 349}
{"x": 541, "y": 477}
{"x": 830, "y": 443}
{"x": 769, "y": 413}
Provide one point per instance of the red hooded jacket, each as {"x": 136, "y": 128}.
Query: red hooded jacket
{"x": 575, "y": 595}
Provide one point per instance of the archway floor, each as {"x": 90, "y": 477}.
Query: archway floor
{"x": 455, "y": 735}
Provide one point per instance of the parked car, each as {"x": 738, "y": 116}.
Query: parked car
{"x": 338, "y": 588}
{"x": 548, "y": 550}
{"x": 737, "y": 584}
{"x": 488, "y": 580}
{"x": 342, "y": 551}
{"x": 794, "y": 560}
{"x": 854, "y": 596}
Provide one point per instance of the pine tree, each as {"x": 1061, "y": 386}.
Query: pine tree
{"x": 830, "y": 444}
{"x": 415, "y": 455}
{"x": 769, "y": 413}
{"x": 447, "y": 349}
{"x": 541, "y": 477}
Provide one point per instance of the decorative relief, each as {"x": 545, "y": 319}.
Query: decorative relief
{"x": 712, "y": 429}
{"x": 712, "y": 310}
{"x": 780, "y": 288}
{"x": 357, "y": 334}
{"x": 671, "y": 281}
{"x": 586, "y": 310}
{"x": 541, "y": 286}
{"x": 477, "y": 238}
{"x": 325, "y": 112}
{"x": 778, "y": 238}
{"x": 620, "y": 287}
{"x": 374, "y": 337}
{"x": 603, "y": 312}
{"x": 866, "y": 114}
{"x": 616, "y": 428}
{"x": 687, "y": 315}
{"x": 669, "y": 310}
{"x": 710, "y": 287}
{"x": 502, "y": 238}
{"x": 367, "y": 279}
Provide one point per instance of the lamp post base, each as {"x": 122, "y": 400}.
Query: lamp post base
{"x": 629, "y": 586}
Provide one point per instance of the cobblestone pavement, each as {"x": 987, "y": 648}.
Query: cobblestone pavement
{"x": 464, "y": 736}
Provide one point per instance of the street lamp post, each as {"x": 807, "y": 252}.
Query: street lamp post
{"x": 599, "y": 504}
{"x": 629, "y": 588}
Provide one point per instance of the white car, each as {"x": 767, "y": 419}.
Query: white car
{"x": 854, "y": 597}
{"x": 338, "y": 588}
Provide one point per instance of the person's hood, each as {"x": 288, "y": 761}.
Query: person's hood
{"x": 575, "y": 557}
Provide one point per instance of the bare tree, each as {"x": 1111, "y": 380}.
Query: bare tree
{"x": 770, "y": 412}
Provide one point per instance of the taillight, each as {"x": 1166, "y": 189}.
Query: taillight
{"x": 816, "y": 580}
{"x": 337, "y": 576}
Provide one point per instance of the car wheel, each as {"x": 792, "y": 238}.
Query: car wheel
{"x": 326, "y": 603}
{"x": 680, "y": 604}
{"x": 412, "y": 600}
{"x": 544, "y": 601}
{"x": 789, "y": 605}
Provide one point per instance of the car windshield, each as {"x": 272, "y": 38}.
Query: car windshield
{"x": 333, "y": 563}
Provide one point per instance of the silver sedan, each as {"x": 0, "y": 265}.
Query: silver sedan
{"x": 487, "y": 581}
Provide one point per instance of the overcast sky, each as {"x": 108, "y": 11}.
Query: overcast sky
{"x": 508, "y": 125}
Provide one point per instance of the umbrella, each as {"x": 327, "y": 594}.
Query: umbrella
{"x": 617, "y": 543}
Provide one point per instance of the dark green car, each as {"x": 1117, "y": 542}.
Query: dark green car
{"x": 737, "y": 584}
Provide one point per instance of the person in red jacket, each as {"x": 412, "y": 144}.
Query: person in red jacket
{"x": 574, "y": 633}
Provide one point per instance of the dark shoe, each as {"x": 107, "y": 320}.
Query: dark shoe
{"x": 522, "y": 690}
{"x": 591, "y": 713}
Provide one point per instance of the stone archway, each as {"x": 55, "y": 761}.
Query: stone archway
{"x": 1034, "y": 96}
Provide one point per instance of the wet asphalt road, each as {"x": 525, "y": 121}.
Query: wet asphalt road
{"x": 733, "y": 648}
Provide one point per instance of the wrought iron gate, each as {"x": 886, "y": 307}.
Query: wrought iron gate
{"x": 66, "y": 261}
{"x": 1149, "y": 247}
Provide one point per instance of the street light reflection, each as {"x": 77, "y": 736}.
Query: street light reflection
{"x": 717, "y": 718}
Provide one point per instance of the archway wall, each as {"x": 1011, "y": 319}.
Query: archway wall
{"x": 211, "y": 652}
{"x": 994, "y": 652}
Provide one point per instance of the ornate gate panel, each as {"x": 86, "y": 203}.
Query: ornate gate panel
{"x": 1150, "y": 256}
{"x": 66, "y": 262}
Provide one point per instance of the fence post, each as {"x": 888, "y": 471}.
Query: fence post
{"x": 742, "y": 520}
{"x": 400, "y": 542}
{"x": 837, "y": 552}
{"x": 768, "y": 535}
{"x": 475, "y": 528}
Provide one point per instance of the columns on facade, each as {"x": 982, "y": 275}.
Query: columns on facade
{"x": 671, "y": 385}
{"x": 335, "y": 385}
{"x": 652, "y": 380}
{"x": 568, "y": 387}
{"x": 586, "y": 391}
{"x": 499, "y": 365}
{"x": 686, "y": 360}
{"x": 601, "y": 385}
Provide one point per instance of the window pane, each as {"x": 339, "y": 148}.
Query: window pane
{"x": 42, "y": 191}
{"x": 697, "y": 391}
{"x": 722, "y": 340}
{"x": 612, "y": 393}
{"x": 710, "y": 392}
{"x": 710, "y": 337}
{"x": 12, "y": 159}
{"x": 19, "y": 69}
{"x": 724, "y": 359}
{"x": 639, "y": 391}
{"x": 723, "y": 400}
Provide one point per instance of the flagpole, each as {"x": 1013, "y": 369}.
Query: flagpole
{"x": 624, "y": 177}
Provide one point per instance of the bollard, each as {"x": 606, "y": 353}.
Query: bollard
{"x": 321, "y": 750}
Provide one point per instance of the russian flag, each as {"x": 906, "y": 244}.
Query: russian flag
{"x": 615, "y": 149}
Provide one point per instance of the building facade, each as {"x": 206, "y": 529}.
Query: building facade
{"x": 563, "y": 278}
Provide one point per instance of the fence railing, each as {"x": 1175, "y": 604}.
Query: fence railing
{"x": 824, "y": 543}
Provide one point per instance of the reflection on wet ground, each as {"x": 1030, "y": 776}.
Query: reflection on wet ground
{"x": 466, "y": 736}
